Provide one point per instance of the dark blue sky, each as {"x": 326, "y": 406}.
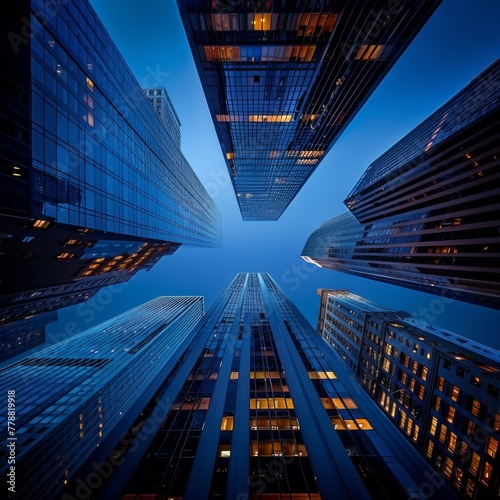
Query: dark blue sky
{"x": 459, "y": 41}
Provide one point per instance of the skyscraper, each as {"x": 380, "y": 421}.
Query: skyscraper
{"x": 72, "y": 396}
{"x": 258, "y": 407}
{"x": 283, "y": 80}
{"x": 426, "y": 213}
{"x": 93, "y": 183}
{"x": 440, "y": 389}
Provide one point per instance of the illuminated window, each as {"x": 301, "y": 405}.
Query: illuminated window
{"x": 338, "y": 423}
{"x": 421, "y": 392}
{"x": 331, "y": 375}
{"x": 440, "y": 384}
{"x": 349, "y": 403}
{"x": 270, "y": 118}
{"x": 65, "y": 256}
{"x": 455, "y": 393}
{"x": 451, "y": 414}
{"x": 364, "y": 424}
{"x": 259, "y": 22}
{"x": 433, "y": 427}
{"x": 486, "y": 475}
{"x": 41, "y": 224}
{"x": 230, "y": 156}
{"x": 89, "y": 118}
{"x": 452, "y": 443}
{"x": 424, "y": 372}
{"x": 437, "y": 403}
{"x": 414, "y": 367}
{"x": 227, "y": 424}
{"x": 369, "y": 52}
{"x": 224, "y": 451}
{"x": 492, "y": 447}
{"x": 430, "y": 448}
{"x": 496, "y": 423}
{"x": 442, "y": 434}
{"x": 234, "y": 375}
{"x": 337, "y": 402}
{"x": 474, "y": 464}
{"x": 469, "y": 489}
{"x": 89, "y": 101}
{"x": 448, "y": 467}
{"x": 459, "y": 474}
{"x": 90, "y": 84}
{"x": 476, "y": 405}
{"x": 402, "y": 420}
{"x": 416, "y": 430}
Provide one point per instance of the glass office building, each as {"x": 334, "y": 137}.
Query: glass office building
{"x": 71, "y": 397}
{"x": 258, "y": 407}
{"x": 439, "y": 389}
{"x": 81, "y": 144}
{"x": 283, "y": 80}
{"x": 426, "y": 213}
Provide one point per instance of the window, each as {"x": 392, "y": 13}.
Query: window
{"x": 227, "y": 424}
{"x": 65, "y": 256}
{"x": 459, "y": 474}
{"x": 496, "y": 423}
{"x": 234, "y": 375}
{"x": 492, "y": 447}
{"x": 414, "y": 367}
{"x": 411, "y": 385}
{"x": 349, "y": 403}
{"x": 476, "y": 406}
{"x": 455, "y": 393}
{"x": 430, "y": 448}
{"x": 416, "y": 430}
{"x": 486, "y": 475}
{"x": 452, "y": 443}
{"x": 437, "y": 403}
{"x": 440, "y": 384}
{"x": 448, "y": 467}
{"x": 471, "y": 427}
{"x": 421, "y": 392}
{"x": 402, "y": 420}
{"x": 474, "y": 464}
{"x": 442, "y": 434}
{"x": 475, "y": 381}
{"x": 451, "y": 414}
{"x": 433, "y": 427}
{"x": 469, "y": 489}
{"x": 224, "y": 451}
{"x": 424, "y": 372}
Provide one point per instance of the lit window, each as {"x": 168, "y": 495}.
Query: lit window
{"x": 433, "y": 427}
{"x": 270, "y": 118}
{"x": 369, "y": 52}
{"x": 455, "y": 393}
{"x": 440, "y": 384}
{"x": 476, "y": 405}
{"x": 234, "y": 375}
{"x": 451, "y": 414}
{"x": 474, "y": 464}
{"x": 41, "y": 224}
{"x": 90, "y": 84}
{"x": 364, "y": 424}
{"x": 452, "y": 443}
{"x": 486, "y": 475}
{"x": 65, "y": 256}
{"x": 448, "y": 467}
{"x": 424, "y": 372}
{"x": 230, "y": 156}
{"x": 227, "y": 424}
{"x": 430, "y": 448}
{"x": 442, "y": 434}
{"x": 224, "y": 451}
{"x": 459, "y": 474}
{"x": 492, "y": 447}
{"x": 259, "y": 21}
{"x": 89, "y": 118}
{"x": 349, "y": 403}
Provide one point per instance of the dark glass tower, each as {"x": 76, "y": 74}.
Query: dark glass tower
{"x": 426, "y": 213}
{"x": 258, "y": 407}
{"x": 284, "y": 79}
{"x": 439, "y": 389}
{"x": 93, "y": 183}
{"x": 71, "y": 397}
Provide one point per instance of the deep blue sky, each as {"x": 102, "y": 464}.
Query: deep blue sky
{"x": 459, "y": 41}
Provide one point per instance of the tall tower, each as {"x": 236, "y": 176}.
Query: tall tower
{"x": 93, "y": 183}
{"x": 439, "y": 389}
{"x": 283, "y": 80}
{"x": 425, "y": 214}
{"x": 257, "y": 407}
{"x": 72, "y": 397}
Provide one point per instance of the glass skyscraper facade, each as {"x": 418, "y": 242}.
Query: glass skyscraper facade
{"x": 259, "y": 407}
{"x": 439, "y": 389}
{"x": 93, "y": 183}
{"x": 283, "y": 80}
{"x": 70, "y": 397}
{"x": 425, "y": 214}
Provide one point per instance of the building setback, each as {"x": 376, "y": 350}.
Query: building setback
{"x": 439, "y": 389}
{"x": 258, "y": 407}
{"x": 93, "y": 183}
{"x": 425, "y": 215}
{"x": 72, "y": 396}
{"x": 283, "y": 80}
